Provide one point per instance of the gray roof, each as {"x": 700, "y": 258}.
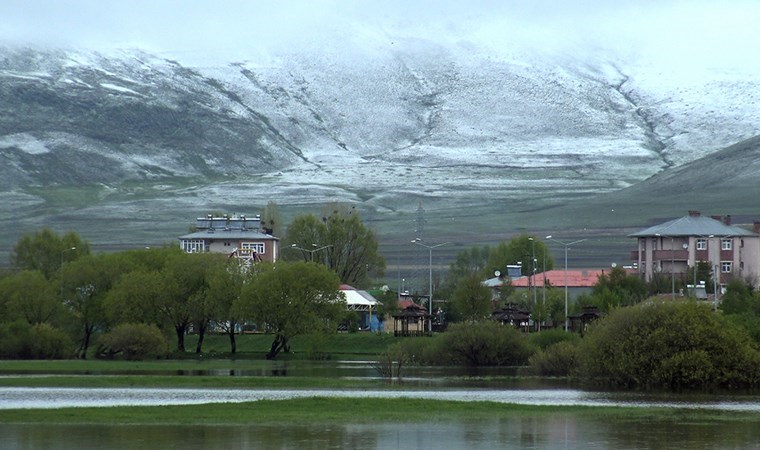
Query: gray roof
{"x": 693, "y": 226}
{"x": 229, "y": 234}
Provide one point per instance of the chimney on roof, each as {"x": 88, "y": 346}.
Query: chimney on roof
{"x": 694, "y": 213}
{"x": 756, "y": 226}
{"x": 727, "y": 219}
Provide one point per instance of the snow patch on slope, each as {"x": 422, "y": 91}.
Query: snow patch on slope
{"x": 25, "y": 142}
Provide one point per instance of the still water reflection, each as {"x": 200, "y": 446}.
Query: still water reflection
{"x": 560, "y": 431}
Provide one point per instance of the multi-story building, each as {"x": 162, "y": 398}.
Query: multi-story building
{"x": 673, "y": 247}
{"x": 236, "y": 236}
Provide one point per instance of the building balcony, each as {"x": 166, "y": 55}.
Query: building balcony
{"x": 670, "y": 255}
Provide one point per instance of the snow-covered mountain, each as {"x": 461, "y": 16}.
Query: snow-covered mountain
{"x": 383, "y": 123}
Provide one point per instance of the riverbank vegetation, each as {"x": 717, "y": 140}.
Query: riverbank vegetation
{"x": 66, "y": 303}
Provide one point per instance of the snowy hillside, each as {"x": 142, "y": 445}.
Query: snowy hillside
{"x": 381, "y": 122}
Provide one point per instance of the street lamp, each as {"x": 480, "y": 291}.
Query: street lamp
{"x": 296, "y": 247}
{"x": 418, "y": 241}
{"x": 533, "y": 268}
{"x": 566, "y": 245}
{"x": 63, "y": 252}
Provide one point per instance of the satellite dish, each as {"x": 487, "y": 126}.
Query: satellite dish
{"x": 497, "y": 274}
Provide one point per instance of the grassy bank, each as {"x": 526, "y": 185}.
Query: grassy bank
{"x": 199, "y": 382}
{"x": 344, "y": 410}
{"x": 337, "y": 346}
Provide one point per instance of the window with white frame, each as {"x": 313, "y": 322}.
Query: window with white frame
{"x": 701, "y": 244}
{"x": 193, "y": 245}
{"x": 725, "y": 266}
{"x": 725, "y": 244}
{"x": 257, "y": 247}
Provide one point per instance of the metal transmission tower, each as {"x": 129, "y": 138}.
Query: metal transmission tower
{"x": 420, "y": 255}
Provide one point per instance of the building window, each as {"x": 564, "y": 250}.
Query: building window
{"x": 725, "y": 244}
{"x": 701, "y": 244}
{"x": 725, "y": 266}
{"x": 193, "y": 245}
{"x": 257, "y": 247}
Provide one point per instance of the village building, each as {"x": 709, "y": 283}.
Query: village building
{"x": 578, "y": 282}
{"x": 671, "y": 248}
{"x": 237, "y": 236}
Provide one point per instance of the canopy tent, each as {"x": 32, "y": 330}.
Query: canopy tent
{"x": 357, "y": 300}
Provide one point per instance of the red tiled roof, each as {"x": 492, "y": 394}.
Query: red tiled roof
{"x": 575, "y": 278}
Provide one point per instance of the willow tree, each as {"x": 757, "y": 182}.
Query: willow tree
{"x": 340, "y": 240}
{"x": 46, "y": 251}
{"x": 289, "y": 299}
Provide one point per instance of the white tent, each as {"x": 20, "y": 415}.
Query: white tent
{"x": 359, "y": 300}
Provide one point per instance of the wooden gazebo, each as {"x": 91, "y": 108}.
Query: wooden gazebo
{"x": 511, "y": 314}
{"x": 413, "y": 320}
{"x": 579, "y": 322}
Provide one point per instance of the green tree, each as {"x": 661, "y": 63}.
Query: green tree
{"x": 347, "y": 247}
{"x": 703, "y": 275}
{"x": 305, "y": 235}
{"x": 471, "y": 299}
{"x": 182, "y": 295}
{"x": 520, "y": 249}
{"x": 45, "y": 251}
{"x": 29, "y": 296}
{"x": 203, "y": 304}
{"x": 271, "y": 218}
{"x": 292, "y": 299}
{"x": 88, "y": 281}
{"x": 738, "y": 298}
{"x": 618, "y": 288}
{"x": 226, "y": 283}
{"x": 468, "y": 262}
{"x": 132, "y": 299}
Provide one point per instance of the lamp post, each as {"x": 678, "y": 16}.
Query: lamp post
{"x": 418, "y": 241}
{"x": 672, "y": 268}
{"x": 715, "y": 288}
{"x": 533, "y": 268}
{"x": 63, "y": 252}
{"x": 566, "y": 245}
{"x": 296, "y": 247}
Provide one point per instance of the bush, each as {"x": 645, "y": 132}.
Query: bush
{"x": 14, "y": 340}
{"x": 557, "y": 360}
{"x": 133, "y": 341}
{"x": 485, "y": 343}
{"x": 20, "y": 340}
{"x": 50, "y": 343}
{"x": 547, "y": 338}
{"x": 674, "y": 345}
{"x": 422, "y": 351}
{"x": 750, "y": 322}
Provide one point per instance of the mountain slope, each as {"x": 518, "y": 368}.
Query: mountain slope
{"x": 132, "y": 138}
{"x": 725, "y": 182}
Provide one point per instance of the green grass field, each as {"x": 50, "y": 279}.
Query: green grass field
{"x": 342, "y": 410}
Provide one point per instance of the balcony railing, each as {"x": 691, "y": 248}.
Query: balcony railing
{"x": 668, "y": 255}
